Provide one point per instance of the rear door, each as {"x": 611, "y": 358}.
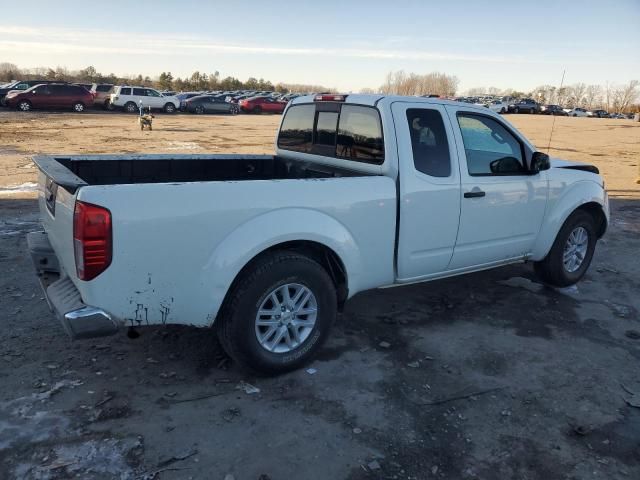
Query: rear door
{"x": 502, "y": 204}
{"x": 429, "y": 189}
{"x": 154, "y": 99}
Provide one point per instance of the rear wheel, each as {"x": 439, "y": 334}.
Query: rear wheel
{"x": 169, "y": 108}
{"x": 571, "y": 253}
{"x": 78, "y": 107}
{"x": 130, "y": 107}
{"x": 503, "y": 110}
{"x": 234, "y": 110}
{"x": 24, "y": 105}
{"x": 278, "y": 314}
{"x": 516, "y": 110}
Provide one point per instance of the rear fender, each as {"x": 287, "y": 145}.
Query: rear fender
{"x": 274, "y": 228}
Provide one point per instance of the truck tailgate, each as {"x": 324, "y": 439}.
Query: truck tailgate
{"x": 56, "y": 211}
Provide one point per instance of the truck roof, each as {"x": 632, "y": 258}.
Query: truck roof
{"x": 373, "y": 100}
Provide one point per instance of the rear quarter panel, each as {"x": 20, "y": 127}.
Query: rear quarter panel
{"x": 178, "y": 247}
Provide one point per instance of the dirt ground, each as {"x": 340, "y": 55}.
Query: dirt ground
{"x": 486, "y": 376}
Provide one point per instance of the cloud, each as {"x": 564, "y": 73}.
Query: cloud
{"x": 65, "y": 41}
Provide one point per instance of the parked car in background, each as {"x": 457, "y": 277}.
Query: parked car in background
{"x": 211, "y": 104}
{"x": 21, "y": 86}
{"x": 619, "y": 116}
{"x": 51, "y": 95}
{"x": 129, "y": 99}
{"x": 526, "y": 105}
{"x": 553, "y": 110}
{"x": 498, "y": 106}
{"x": 101, "y": 93}
{"x": 262, "y": 105}
{"x": 598, "y": 114}
{"x": 576, "y": 112}
{"x": 184, "y": 96}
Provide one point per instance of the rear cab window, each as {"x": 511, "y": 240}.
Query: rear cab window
{"x": 347, "y": 131}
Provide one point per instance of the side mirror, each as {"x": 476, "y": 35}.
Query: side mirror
{"x": 539, "y": 162}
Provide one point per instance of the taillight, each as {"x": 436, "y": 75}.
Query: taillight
{"x": 330, "y": 98}
{"x": 92, "y": 240}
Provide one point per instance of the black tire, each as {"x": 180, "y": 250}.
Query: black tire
{"x": 236, "y": 323}
{"x": 503, "y": 110}
{"x": 234, "y": 110}
{"x": 551, "y": 269}
{"x": 169, "y": 108}
{"x": 130, "y": 107}
{"x": 575, "y": 115}
{"x": 516, "y": 110}
{"x": 24, "y": 105}
{"x": 199, "y": 109}
{"x": 257, "y": 110}
{"x": 78, "y": 107}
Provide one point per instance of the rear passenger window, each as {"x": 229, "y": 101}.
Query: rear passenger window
{"x": 360, "y": 135}
{"x": 103, "y": 88}
{"x": 140, "y": 92}
{"x": 125, "y": 91}
{"x": 352, "y": 132}
{"x": 296, "y": 131}
{"x": 429, "y": 142}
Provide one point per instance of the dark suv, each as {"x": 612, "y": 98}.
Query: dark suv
{"x": 51, "y": 95}
{"x": 21, "y": 85}
{"x": 553, "y": 110}
{"x": 526, "y": 105}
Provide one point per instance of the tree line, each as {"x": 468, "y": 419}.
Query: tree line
{"x": 610, "y": 97}
{"x": 197, "y": 81}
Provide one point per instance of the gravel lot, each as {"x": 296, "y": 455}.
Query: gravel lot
{"x": 486, "y": 376}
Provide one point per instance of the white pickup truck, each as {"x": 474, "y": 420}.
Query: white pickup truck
{"x": 364, "y": 191}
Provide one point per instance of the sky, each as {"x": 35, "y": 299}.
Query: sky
{"x": 348, "y": 44}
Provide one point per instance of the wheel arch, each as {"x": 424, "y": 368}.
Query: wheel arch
{"x": 312, "y": 233}
{"x": 584, "y": 196}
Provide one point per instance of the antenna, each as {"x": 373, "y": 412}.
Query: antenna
{"x": 553, "y": 124}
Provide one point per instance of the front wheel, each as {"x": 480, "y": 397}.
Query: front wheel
{"x": 130, "y": 107}
{"x": 257, "y": 110}
{"x": 278, "y": 314}
{"x": 571, "y": 253}
{"x": 24, "y": 105}
{"x": 78, "y": 107}
{"x": 199, "y": 109}
{"x": 516, "y": 110}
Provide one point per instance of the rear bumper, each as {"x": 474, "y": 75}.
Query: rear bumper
{"x": 78, "y": 319}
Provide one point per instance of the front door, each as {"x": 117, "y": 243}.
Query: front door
{"x": 502, "y": 204}
{"x": 429, "y": 189}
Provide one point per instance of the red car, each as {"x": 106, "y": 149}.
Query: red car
{"x": 52, "y": 95}
{"x": 262, "y": 104}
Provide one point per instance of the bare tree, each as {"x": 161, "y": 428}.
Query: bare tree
{"x": 592, "y": 95}
{"x": 625, "y": 95}
{"x": 435, "y": 83}
{"x": 576, "y": 94}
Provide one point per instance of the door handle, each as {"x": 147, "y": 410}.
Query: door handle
{"x": 474, "y": 194}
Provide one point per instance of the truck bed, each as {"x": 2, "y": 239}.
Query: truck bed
{"x": 72, "y": 172}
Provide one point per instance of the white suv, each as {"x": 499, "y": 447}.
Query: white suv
{"x": 129, "y": 99}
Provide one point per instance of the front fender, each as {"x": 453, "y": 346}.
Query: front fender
{"x": 273, "y": 228}
{"x": 559, "y": 209}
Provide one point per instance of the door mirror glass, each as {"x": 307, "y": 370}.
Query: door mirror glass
{"x": 539, "y": 162}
